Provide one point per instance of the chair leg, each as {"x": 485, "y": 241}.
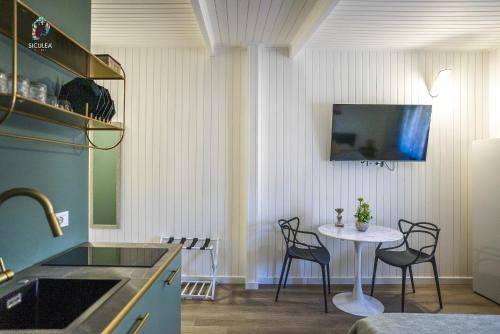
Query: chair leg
{"x": 328, "y": 274}
{"x": 287, "y": 271}
{"x": 374, "y": 274}
{"x": 403, "y": 290}
{"x": 411, "y": 278}
{"x": 324, "y": 287}
{"x": 281, "y": 277}
{"x": 436, "y": 278}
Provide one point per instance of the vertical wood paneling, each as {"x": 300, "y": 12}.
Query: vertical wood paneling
{"x": 183, "y": 156}
{"x": 181, "y": 153}
{"x": 298, "y": 180}
{"x": 494, "y": 89}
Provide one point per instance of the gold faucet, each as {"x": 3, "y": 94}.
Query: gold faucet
{"x": 6, "y": 274}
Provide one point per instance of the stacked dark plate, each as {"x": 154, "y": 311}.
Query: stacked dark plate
{"x": 80, "y": 91}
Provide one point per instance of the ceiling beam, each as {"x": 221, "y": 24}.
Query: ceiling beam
{"x": 318, "y": 14}
{"x": 201, "y": 13}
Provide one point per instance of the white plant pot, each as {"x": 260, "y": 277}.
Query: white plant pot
{"x": 361, "y": 227}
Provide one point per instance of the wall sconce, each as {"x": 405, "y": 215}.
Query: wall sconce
{"x": 440, "y": 82}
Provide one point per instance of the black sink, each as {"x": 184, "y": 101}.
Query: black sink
{"x": 44, "y": 303}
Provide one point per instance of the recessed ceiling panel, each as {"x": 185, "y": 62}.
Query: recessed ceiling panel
{"x": 144, "y": 23}
{"x": 407, "y": 24}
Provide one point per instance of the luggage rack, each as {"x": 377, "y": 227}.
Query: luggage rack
{"x": 198, "y": 289}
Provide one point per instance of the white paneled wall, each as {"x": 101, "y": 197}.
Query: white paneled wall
{"x": 494, "y": 93}
{"x": 296, "y": 178}
{"x": 181, "y": 152}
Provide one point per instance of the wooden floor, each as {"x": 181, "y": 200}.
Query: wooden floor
{"x": 300, "y": 308}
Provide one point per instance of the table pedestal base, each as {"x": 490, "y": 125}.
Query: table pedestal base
{"x": 364, "y": 306}
{"x": 356, "y": 302}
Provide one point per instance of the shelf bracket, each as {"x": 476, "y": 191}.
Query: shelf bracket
{"x": 92, "y": 144}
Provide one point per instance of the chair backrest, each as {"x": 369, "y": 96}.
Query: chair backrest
{"x": 425, "y": 228}
{"x": 289, "y": 231}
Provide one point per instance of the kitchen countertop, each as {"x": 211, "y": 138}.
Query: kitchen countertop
{"x": 136, "y": 278}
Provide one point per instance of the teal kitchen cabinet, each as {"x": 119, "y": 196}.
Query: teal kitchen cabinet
{"x": 161, "y": 304}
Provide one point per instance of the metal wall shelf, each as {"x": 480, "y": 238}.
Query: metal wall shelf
{"x": 28, "y": 107}
{"x": 16, "y": 19}
{"x": 66, "y": 52}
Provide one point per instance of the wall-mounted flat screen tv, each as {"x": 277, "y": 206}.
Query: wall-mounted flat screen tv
{"x": 380, "y": 132}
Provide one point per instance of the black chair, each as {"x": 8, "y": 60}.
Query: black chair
{"x": 296, "y": 249}
{"x": 404, "y": 259}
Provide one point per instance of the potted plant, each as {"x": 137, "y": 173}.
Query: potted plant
{"x": 363, "y": 215}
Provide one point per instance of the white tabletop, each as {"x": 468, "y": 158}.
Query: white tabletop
{"x": 374, "y": 233}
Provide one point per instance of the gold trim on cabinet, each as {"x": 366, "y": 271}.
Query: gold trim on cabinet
{"x": 172, "y": 276}
{"x": 142, "y": 321}
{"x": 125, "y": 310}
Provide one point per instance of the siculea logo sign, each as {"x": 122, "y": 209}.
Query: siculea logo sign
{"x": 40, "y": 28}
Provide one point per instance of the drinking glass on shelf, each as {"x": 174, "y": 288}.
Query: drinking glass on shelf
{"x": 4, "y": 83}
{"x": 38, "y": 91}
{"x": 52, "y": 100}
{"x": 23, "y": 86}
{"x": 65, "y": 104}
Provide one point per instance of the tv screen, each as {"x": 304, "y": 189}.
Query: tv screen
{"x": 380, "y": 132}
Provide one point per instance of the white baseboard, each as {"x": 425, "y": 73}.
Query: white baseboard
{"x": 335, "y": 280}
{"x": 251, "y": 286}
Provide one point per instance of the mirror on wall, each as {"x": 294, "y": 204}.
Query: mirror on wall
{"x": 104, "y": 181}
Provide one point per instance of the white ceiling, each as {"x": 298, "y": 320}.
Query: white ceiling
{"x": 243, "y": 22}
{"x": 428, "y": 24}
{"x": 150, "y": 23}
{"x": 398, "y": 24}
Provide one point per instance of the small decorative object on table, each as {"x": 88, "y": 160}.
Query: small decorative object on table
{"x": 339, "y": 217}
{"x": 363, "y": 215}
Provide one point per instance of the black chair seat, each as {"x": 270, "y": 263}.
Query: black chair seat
{"x": 402, "y": 258}
{"x": 320, "y": 255}
{"x": 300, "y": 250}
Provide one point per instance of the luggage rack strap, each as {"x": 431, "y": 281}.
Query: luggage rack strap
{"x": 205, "y": 245}
{"x": 190, "y": 243}
{"x": 195, "y": 240}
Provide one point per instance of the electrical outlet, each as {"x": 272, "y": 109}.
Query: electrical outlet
{"x": 63, "y": 218}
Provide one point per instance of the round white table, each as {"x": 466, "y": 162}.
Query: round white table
{"x": 356, "y": 302}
